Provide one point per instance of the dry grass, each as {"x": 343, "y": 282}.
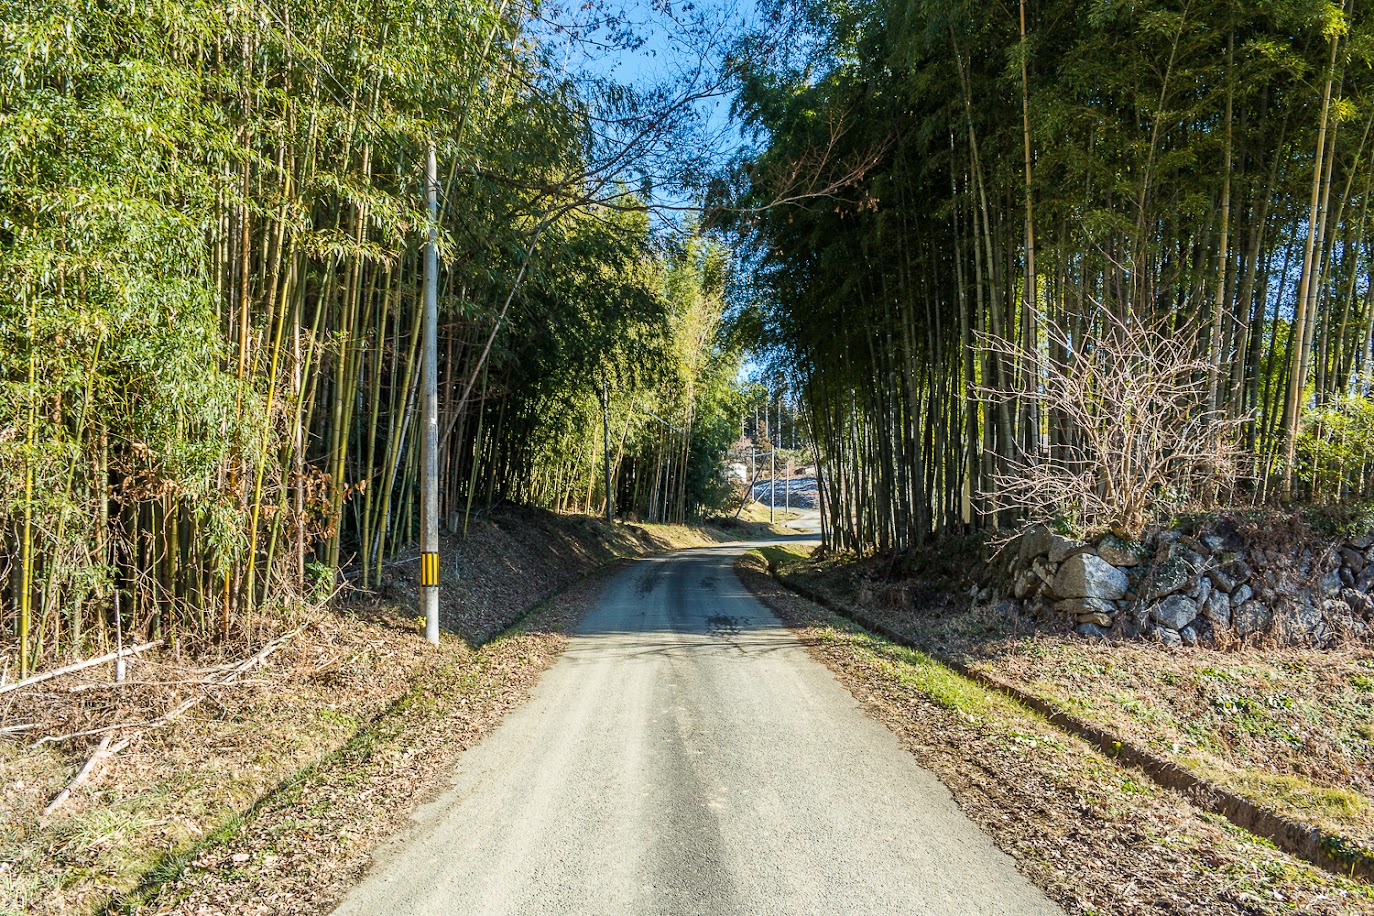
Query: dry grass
{"x": 1291, "y": 728}
{"x": 303, "y": 845}
{"x": 758, "y": 513}
{"x": 336, "y": 681}
{"x": 177, "y": 783}
{"x": 1098, "y": 838}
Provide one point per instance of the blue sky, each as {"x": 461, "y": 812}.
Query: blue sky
{"x": 668, "y": 51}
{"x": 647, "y": 45}
{"x": 653, "y": 45}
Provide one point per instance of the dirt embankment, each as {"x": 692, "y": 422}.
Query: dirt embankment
{"x": 1290, "y": 728}
{"x": 1096, "y": 836}
{"x": 288, "y": 775}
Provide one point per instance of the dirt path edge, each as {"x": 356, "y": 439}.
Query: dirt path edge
{"x": 1332, "y": 853}
{"x": 231, "y": 868}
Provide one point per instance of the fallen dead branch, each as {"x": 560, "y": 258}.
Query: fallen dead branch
{"x": 129, "y": 685}
{"x": 58, "y": 739}
{"x": 103, "y": 750}
{"x": 261, "y": 656}
{"x": 108, "y": 747}
{"x": 79, "y": 666}
{"x": 234, "y": 672}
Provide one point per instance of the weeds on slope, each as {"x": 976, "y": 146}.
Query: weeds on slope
{"x": 1097, "y": 837}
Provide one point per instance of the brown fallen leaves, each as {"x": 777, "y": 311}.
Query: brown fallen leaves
{"x": 1096, "y": 837}
{"x": 298, "y": 849}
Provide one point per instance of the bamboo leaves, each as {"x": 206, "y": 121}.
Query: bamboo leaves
{"x": 1175, "y": 161}
{"x": 209, "y": 289}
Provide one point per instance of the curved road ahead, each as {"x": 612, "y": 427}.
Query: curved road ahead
{"x": 687, "y": 756}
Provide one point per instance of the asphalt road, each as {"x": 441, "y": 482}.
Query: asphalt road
{"x": 687, "y": 756}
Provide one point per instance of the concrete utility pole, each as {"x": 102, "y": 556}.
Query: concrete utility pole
{"x": 753, "y": 465}
{"x": 429, "y": 447}
{"x": 772, "y": 475}
{"x": 786, "y": 468}
{"x": 606, "y": 435}
{"x": 787, "y": 488}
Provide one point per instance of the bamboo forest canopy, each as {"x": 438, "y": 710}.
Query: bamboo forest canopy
{"x": 1084, "y": 260}
{"x": 212, "y": 218}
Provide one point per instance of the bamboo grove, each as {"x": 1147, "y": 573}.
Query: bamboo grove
{"x": 212, "y": 220}
{"x": 1015, "y": 185}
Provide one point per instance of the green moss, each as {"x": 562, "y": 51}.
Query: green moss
{"x": 782, "y": 556}
{"x": 334, "y": 717}
{"x": 1344, "y": 849}
{"x": 1297, "y": 793}
{"x": 943, "y": 685}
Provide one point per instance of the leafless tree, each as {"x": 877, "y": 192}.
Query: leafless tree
{"x": 1142, "y": 438}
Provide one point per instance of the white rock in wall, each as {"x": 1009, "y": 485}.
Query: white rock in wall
{"x": 1169, "y": 637}
{"x": 1253, "y": 617}
{"x": 1218, "y": 610}
{"x": 1087, "y": 576}
{"x": 1330, "y": 583}
{"x": 1035, "y": 543}
{"x": 1061, "y": 547}
{"x": 1121, "y": 553}
{"x": 1074, "y": 607}
{"x": 1203, "y": 590}
{"x": 1175, "y": 612}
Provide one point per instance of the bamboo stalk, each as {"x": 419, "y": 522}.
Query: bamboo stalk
{"x": 81, "y": 666}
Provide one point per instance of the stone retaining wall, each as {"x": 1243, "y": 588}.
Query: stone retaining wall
{"x": 1214, "y": 589}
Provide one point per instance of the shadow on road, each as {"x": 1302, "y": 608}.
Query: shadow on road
{"x": 688, "y": 601}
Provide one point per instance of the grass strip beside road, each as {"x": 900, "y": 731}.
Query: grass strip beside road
{"x": 1333, "y": 852}
{"x": 1097, "y": 837}
{"x": 1288, "y": 729}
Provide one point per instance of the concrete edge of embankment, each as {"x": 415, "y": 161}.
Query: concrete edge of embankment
{"x": 1305, "y": 841}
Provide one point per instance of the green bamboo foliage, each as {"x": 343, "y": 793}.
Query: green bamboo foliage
{"x": 1203, "y": 167}
{"x": 209, "y": 290}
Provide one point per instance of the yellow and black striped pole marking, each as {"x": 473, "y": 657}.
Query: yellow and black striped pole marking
{"x": 429, "y": 569}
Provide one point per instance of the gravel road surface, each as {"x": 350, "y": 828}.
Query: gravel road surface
{"x": 687, "y": 756}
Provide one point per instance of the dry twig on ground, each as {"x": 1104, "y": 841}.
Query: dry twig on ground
{"x": 103, "y": 750}
{"x": 81, "y": 666}
{"x": 107, "y": 747}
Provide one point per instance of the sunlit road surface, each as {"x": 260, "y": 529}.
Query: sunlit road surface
{"x": 687, "y": 756}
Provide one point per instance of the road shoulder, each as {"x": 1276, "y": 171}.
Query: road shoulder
{"x": 1096, "y": 837}
{"x": 301, "y": 847}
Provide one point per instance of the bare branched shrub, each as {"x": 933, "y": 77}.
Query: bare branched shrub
{"x": 1142, "y": 439}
